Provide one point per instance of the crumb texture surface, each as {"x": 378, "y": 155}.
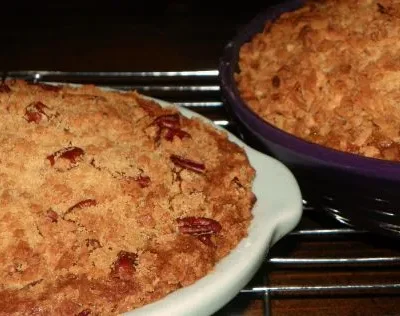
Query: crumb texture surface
{"x": 329, "y": 73}
{"x": 110, "y": 202}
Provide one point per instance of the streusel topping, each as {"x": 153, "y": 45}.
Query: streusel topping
{"x": 329, "y": 73}
{"x": 109, "y": 201}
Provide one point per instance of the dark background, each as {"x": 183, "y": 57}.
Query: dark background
{"x": 119, "y": 35}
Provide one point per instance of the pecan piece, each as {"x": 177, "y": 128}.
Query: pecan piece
{"x": 4, "y": 88}
{"x": 201, "y": 227}
{"x": 71, "y": 154}
{"x": 188, "y": 164}
{"x": 52, "y": 216}
{"x": 198, "y": 226}
{"x": 82, "y": 204}
{"x": 149, "y": 106}
{"x": 168, "y": 121}
{"x": 143, "y": 181}
{"x": 35, "y": 112}
{"x": 85, "y": 312}
{"x": 171, "y": 124}
{"x": 124, "y": 267}
{"x": 172, "y": 132}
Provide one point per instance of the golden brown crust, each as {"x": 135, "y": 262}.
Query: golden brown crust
{"x": 109, "y": 201}
{"x": 330, "y": 73}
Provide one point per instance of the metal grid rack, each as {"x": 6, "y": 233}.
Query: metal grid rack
{"x": 321, "y": 257}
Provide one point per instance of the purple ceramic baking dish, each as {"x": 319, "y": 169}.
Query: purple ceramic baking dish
{"x": 355, "y": 189}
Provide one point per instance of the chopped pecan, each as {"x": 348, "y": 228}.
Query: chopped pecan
{"x": 149, "y": 106}
{"x": 4, "y": 88}
{"x": 168, "y": 121}
{"x": 201, "y": 227}
{"x": 85, "y": 312}
{"x": 171, "y": 124}
{"x": 124, "y": 267}
{"x": 72, "y": 154}
{"x": 172, "y": 132}
{"x": 188, "y": 164}
{"x": 36, "y": 111}
{"x": 52, "y": 216}
{"x": 143, "y": 181}
{"x": 82, "y": 204}
{"x": 198, "y": 226}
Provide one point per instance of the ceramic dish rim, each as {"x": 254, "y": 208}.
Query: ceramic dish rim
{"x": 201, "y": 301}
{"x": 261, "y": 237}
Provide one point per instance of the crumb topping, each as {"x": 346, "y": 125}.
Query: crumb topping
{"x": 329, "y": 73}
{"x": 110, "y": 201}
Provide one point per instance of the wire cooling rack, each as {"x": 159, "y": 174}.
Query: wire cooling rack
{"x": 321, "y": 258}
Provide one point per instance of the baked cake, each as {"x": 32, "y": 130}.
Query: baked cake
{"x": 109, "y": 201}
{"x": 329, "y": 73}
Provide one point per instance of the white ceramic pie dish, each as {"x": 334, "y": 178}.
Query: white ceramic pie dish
{"x": 277, "y": 211}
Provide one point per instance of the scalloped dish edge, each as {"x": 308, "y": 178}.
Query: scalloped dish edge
{"x": 277, "y": 211}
